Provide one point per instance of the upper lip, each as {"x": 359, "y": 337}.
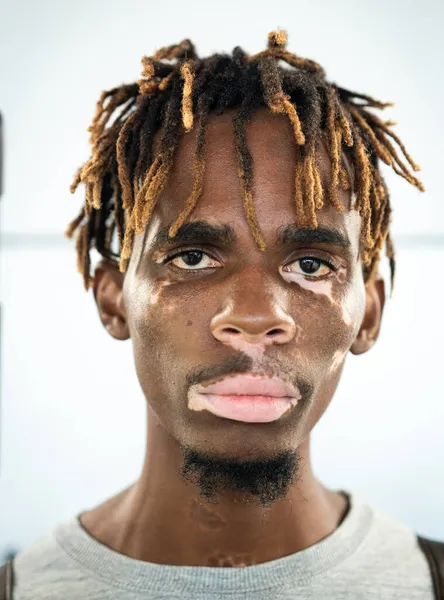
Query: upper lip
{"x": 250, "y": 385}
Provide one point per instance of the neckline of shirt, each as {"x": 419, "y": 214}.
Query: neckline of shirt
{"x": 131, "y": 574}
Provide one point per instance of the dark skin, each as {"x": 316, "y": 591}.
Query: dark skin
{"x": 237, "y": 303}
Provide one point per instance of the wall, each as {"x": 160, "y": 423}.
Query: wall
{"x": 72, "y": 430}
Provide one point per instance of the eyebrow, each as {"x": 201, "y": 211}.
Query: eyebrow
{"x": 292, "y": 234}
{"x": 196, "y": 232}
{"x": 224, "y": 235}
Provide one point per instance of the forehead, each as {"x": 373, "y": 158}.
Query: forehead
{"x": 270, "y": 140}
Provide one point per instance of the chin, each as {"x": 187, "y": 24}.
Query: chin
{"x": 253, "y": 478}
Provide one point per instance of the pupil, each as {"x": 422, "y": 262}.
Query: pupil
{"x": 192, "y": 258}
{"x": 310, "y": 265}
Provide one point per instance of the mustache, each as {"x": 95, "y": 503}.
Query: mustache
{"x": 238, "y": 364}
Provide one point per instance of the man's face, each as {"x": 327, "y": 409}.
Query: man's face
{"x": 224, "y": 307}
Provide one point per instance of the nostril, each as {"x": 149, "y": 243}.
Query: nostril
{"x": 274, "y": 332}
{"x": 231, "y": 330}
{"x": 253, "y": 333}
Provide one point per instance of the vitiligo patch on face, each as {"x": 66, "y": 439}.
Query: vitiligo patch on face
{"x": 299, "y": 334}
{"x": 338, "y": 357}
{"x": 253, "y": 350}
{"x": 195, "y": 400}
{"x": 156, "y": 294}
{"x": 257, "y": 409}
{"x": 159, "y": 256}
{"x": 324, "y": 287}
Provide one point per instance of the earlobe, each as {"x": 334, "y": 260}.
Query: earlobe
{"x": 371, "y": 323}
{"x": 108, "y": 293}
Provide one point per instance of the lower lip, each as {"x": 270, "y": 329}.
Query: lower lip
{"x": 248, "y": 409}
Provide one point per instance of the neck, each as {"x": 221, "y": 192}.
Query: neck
{"x": 162, "y": 519}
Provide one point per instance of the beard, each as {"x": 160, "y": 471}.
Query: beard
{"x": 260, "y": 481}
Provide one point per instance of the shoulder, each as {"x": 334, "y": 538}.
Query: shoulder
{"x": 390, "y": 556}
{"x": 45, "y": 570}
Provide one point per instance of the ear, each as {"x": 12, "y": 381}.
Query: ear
{"x": 371, "y": 324}
{"x": 108, "y": 284}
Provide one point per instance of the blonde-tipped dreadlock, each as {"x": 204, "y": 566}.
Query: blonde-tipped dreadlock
{"x": 178, "y": 90}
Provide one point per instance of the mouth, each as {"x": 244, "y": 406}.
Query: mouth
{"x": 247, "y": 398}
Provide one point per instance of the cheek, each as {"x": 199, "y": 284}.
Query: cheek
{"x": 160, "y": 325}
{"x": 330, "y": 319}
{"x": 148, "y": 309}
{"x": 165, "y": 327}
{"x": 347, "y": 300}
{"x": 165, "y": 322}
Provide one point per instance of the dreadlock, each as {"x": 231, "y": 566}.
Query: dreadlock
{"x": 177, "y": 91}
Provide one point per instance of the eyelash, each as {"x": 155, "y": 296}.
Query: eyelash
{"x": 172, "y": 256}
{"x": 329, "y": 263}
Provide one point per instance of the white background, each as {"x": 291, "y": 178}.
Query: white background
{"x": 72, "y": 428}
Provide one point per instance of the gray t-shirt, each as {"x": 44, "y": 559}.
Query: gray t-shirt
{"x": 369, "y": 556}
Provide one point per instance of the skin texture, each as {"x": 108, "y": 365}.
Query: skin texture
{"x": 247, "y": 311}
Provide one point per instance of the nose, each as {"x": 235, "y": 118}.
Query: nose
{"x": 266, "y": 326}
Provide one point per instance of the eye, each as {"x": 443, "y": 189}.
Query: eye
{"x": 311, "y": 266}
{"x": 188, "y": 260}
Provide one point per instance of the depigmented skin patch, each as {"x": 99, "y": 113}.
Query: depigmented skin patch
{"x": 299, "y": 334}
{"x": 220, "y": 559}
{"x": 157, "y": 293}
{"x": 337, "y": 360}
{"x": 159, "y": 256}
{"x": 194, "y": 399}
{"x": 325, "y": 287}
{"x": 206, "y": 516}
{"x": 196, "y": 402}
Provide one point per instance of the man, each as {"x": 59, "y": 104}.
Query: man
{"x": 238, "y": 207}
